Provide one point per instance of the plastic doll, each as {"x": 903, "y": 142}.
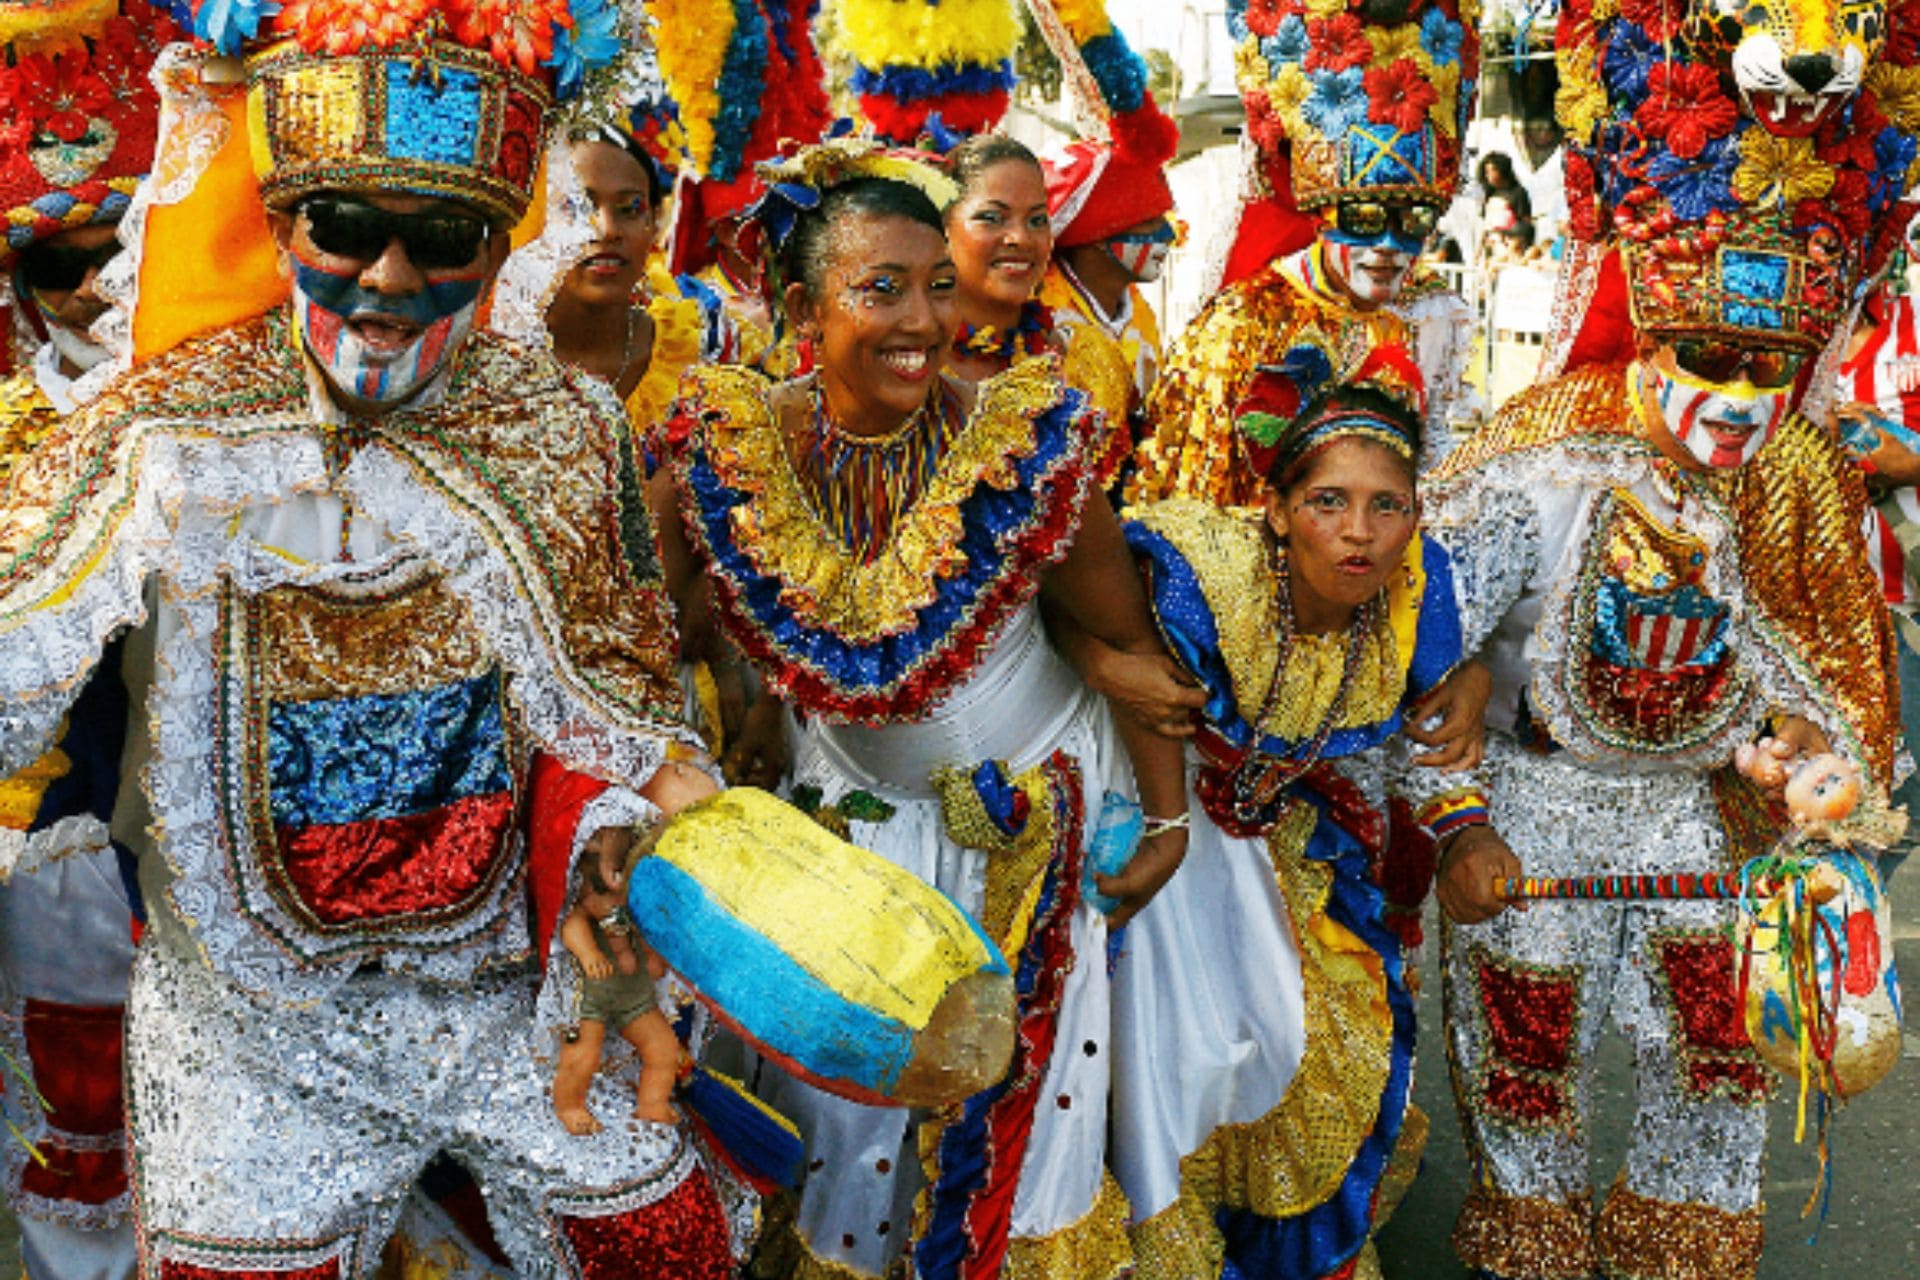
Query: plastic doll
{"x": 616, "y": 990}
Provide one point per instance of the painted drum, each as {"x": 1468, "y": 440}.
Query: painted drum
{"x": 848, "y": 971}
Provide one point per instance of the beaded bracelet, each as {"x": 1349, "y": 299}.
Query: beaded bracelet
{"x": 1160, "y": 826}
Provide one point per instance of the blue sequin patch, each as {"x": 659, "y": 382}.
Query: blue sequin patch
{"x": 1753, "y": 280}
{"x": 1616, "y": 611}
{"x": 1379, "y": 155}
{"x": 339, "y": 760}
{"x": 439, "y": 123}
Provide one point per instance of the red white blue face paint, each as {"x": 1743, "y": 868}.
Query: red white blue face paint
{"x": 1143, "y": 254}
{"x": 1722, "y": 424}
{"x": 433, "y": 322}
{"x": 1373, "y": 271}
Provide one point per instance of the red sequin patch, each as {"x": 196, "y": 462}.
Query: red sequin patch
{"x": 172, "y": 1270}
{"x": 76, "y": 1056}
{"x": 681, "y": 1236}
{"x": 1510, "y": 1094}
{"x": 1529, "y": 1015}
{"x": 421, "y": 864}
{"x": 75, "y": 1177}
{"x": 1714, "y": 1055}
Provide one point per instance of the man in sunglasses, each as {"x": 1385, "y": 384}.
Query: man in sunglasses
{"x": 397, "y": 654}
{"x": 1666, "y": 568}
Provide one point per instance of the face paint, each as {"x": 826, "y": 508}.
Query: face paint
{"x": 438, "y": 318}
{"x": 1722, "y": 424}
{"x": 1373, "y": 270}
{"x": 1142, "y": 255}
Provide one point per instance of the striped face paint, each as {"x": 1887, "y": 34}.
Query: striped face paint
{"x": 1373, "y": 271}
{"x": 1142, "y": 255}
{"x": 1722, "y": 424}
{"x": 376, "y": 347}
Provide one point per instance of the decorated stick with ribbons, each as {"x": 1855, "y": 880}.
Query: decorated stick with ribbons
{"x": 1728, "y": 886}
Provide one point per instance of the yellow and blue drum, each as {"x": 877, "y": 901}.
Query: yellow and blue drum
{"x": 850, "y": 972}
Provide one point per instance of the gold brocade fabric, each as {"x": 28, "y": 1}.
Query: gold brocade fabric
{"x": 1096, "y": 364}
{"x": 677, "y": 325}
{"x": 825, "y": 583}
{"x": 320, "y": 646}
{"x": 1194, "y": 451}
{"x": 518, "y": 446}
{"x": 1094, "y": 1248}
{"x": 1795, "y": 511}
{"x": 1640, "y": 1238}
{"x": 1515, "y": 1236}
{"x": 1296, "y": 1155}
{"x": 26, "y": 418}
{"x": 1237, "y": 569}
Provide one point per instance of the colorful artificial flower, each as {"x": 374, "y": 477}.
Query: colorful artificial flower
{"x": 517, "y": 33}
{"x": 1701, "y": 185}
{"x": 1845, "y": 208}
{"x": 1288, "y": 43}
{"x": 1338, "y": 44}
{"x": 1396, "y": 44}
{"x": 1630, "y": 59}
{"x": 1604, "y": 10}
{"x": 1441, "y": 38}
{"x": 1903, "y": 34}
{"x": 228, "y": 25}
{"x": 1660, "y": 19}
{"x": 1579, "y": 102}
{"x": 344, "y": 26}
{"x": 1582, "y": 209}
{"x": 1896, "y": 166}
{"x": 1324, "y": 8}
{"x": 1264, "y": 124}
{"x": 1446, "y": 88}
{"x": 62, "y": 93}
{"x": 1337, "y": 103}
{"x": 1778, "y": 171}
{"x": 1287, "y": 96}
{"x": 1262, "y": 17}
{"x": 1398, "y": 95}
{"x": 594, "y": 41}
{"x": 1685, "y": 107}
{"x": 1897, "y": 92}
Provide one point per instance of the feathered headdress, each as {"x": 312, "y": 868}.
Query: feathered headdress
{"x": 947, "y": 58}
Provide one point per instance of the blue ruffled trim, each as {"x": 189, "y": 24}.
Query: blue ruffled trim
{"x": 1325, "y": 1237}
{"x": 1189, "y": 628}
{"x": 911, "y": 84}
{"x": 991, "y": 519}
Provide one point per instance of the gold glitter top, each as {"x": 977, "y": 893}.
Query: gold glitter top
{"x": 1193, "y": 451}
{"x": 1795, "y": 511}
{"x": 26, "y": 416}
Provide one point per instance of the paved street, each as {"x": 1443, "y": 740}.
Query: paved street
{"x": 1872, "y": 1230}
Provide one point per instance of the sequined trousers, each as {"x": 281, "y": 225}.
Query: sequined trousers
{"x": 1528, "y": 996}
{"x": 280, "y": 1140}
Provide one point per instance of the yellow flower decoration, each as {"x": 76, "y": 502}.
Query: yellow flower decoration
{"x": 1249, "y": 67}
{"x": 1446, "y": 83}
{"x": 1326, "y": 8}
{"x": 1580, "y": 102}
{"x": 1605, "y": 9}
{"x": 1391, "y": 44}
{"x": 1898, "y": 90}
{"x": 1779, "y": 171}
{"x": 1289, "y": 90}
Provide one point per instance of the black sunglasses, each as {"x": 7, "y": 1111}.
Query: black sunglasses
{"x": 360, "y": 231}
{"x": 1374, "y": 217}
{"x": 1714, "y": 360}
{"x": 58, "y": 268}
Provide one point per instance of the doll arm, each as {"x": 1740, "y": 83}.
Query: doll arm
{"x": 576, "y": 934}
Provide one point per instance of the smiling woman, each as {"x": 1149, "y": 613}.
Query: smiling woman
{"x": 878, "y": 537}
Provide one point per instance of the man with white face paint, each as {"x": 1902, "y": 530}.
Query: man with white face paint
{"x": 1368, "y": 183}
{"x": 1663, "y": 564}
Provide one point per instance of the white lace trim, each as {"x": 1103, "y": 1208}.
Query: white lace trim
{"x": 535, "y": 271}
{"x": 1775, "y": 674}
{"x": 22, "y": 853}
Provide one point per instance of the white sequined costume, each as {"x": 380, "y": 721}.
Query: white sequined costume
{"x": 1640, "y": 624}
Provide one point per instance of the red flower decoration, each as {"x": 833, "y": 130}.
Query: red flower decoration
{"x": 1684, "y": 106}
{"x": 1262, "y": 125}
{"x": 1660, "y": 19}
{"x": 1844, "y": 208}
{"x": 1399, "y": 95}
{"x": 1335, "y": 44}
{"x": 1903, "y": 33}
{"x": 61, "y": 93}
{"x": 1263, "y": 16}
{"x": 518, "y": 33}
{"x": 339, "y": 27}
{"x": 1583, "y": 213}
{"x": 1843, "y": 143}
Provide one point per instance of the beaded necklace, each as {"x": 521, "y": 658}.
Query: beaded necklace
{"x": 861, "y": 484}
{"x": 1028, "y": 337}
{"x": 1260, "y": 777}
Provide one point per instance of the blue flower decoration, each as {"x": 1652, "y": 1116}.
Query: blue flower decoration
{"x": 1698, "y": 187}
{"x": 227, "y": 25}
{"x": 1631, "y": 54}
{"x": 1893, "y": 153}
{"x": 1288, "y": 44}
{"x": 1441, "y": 37}
{"x": 593, "y": 42}
{"x": 1338, "y": 101}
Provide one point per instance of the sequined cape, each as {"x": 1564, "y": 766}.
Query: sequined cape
{"x": 27, "y": 417}
{"x": 1795, "y": 512}
{"x": 522, "y": 579}
{"x": 1194, "y": 450}
{"x": 884, "y": 640}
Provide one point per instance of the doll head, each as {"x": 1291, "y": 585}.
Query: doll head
{"x": 1822, "y": 788}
